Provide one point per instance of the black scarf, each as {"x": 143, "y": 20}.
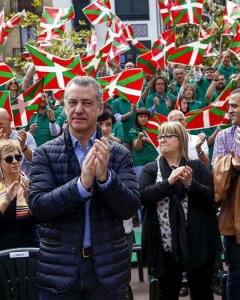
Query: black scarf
{"x": 176, "y": 216}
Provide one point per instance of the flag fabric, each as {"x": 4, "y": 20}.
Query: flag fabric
{"x": 164, "y": 47}
{"x": 6, "y": 73}
{"x": 227, "y": 23}
{"x": 58, "y": 95}
{"x": 233, "y": 10}
{"x": 92, "y": 44}
{"x": 24, "y": 106}
{"x": 210, "y": 51}
{"x": 189, "y": 54}
{"x": 131, "y": 37}
{"x": 127, "y": 85}
{"x": 53, "y": 20}
{"x": 7, "y": 27}
{"x": 97, "y": 12}
{"x": 116, "y": 36}
{"x": 57, "y": 72}
{"x": 213, "y": 114}
{"x": 187, "y": 11}
{"x": 165, "y": 7}
{"x": 234, "y": 47}
{"x": 91, "y": 63}
{"x": 146, "y": 62}
{"x": 152, "y": 128}
{"x": 5, "y": 102}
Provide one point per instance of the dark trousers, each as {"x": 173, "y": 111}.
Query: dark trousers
{"x": 199, "y": 281}
{"x": 87, "y": 287}
{"x": 232, "y": 250}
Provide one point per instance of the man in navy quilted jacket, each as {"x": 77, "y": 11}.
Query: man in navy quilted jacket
{"x": 82, "y": 187}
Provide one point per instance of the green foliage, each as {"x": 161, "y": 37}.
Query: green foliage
{"x": 72, "y": 43}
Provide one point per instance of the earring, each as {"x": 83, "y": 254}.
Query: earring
{"x": 1, "y": 175}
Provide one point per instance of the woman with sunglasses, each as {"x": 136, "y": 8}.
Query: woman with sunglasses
{"x": 17, "y": 226}
{"x": 180, "y": 232}
{"x": 14, "y": 89}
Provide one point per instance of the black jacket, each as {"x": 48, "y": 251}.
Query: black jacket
{"x": 202, "y": 230}
{"x": 55, "y": 201}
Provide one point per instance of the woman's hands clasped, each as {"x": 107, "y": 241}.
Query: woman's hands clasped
{"x": 183, "y": 173}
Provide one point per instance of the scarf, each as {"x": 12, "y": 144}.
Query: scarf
{"x": 22, "y": 210}
{"x": 176, "y": 216}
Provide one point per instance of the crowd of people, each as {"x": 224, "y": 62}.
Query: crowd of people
{"x": 74, "y": 177}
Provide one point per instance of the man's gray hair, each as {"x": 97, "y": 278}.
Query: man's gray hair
{"x": 85, "y": 81}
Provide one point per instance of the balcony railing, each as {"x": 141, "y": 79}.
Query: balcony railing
{"x": 19, "y": 5}
{"x": 17, "y": 51}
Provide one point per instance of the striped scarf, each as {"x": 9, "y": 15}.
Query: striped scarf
{"x": 22, "y": 210}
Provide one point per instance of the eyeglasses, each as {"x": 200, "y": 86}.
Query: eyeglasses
{"x": 13, "y": 82}
{"x": 166, "y": 137}
{"x": 9, "y": 159}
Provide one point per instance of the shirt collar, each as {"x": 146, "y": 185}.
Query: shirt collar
{"x": 75, "y": 142}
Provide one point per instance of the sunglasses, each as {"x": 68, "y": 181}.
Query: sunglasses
{"x": 13, "y": 82}
{"x": 9, "y": 159}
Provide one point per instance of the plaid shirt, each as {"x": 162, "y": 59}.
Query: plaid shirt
{"x": 226, "y": 142}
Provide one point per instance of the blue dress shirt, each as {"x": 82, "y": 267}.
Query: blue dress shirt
{"x": 81, "y": 153}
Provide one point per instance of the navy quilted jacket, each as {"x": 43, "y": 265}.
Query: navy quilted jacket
{"x": 55, "y": 202}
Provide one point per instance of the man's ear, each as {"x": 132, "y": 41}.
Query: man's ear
{"x": 100, "y": 109}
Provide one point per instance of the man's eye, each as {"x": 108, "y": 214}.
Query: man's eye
{"x": 87, "y": 103}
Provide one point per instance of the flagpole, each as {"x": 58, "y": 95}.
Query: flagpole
{"x": 220, "y": 44}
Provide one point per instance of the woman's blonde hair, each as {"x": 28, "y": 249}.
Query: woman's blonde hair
{"x": 8, "y": 145}
{"x": 180, "y": 131}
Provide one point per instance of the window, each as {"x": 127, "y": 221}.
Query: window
{"x": 132, "y": 9}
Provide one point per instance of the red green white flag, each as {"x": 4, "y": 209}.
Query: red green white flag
{"x": 164, "y": 47}
{"x": 6, "y": 73}
{"x": 213, "y": 114}
{"x": 7, "y": 27}
{"x": 146, "y": 62}
{"x": 24, "y": 106}
{"x": 52, "y": 24}
{"x": 116, "y": 35}
{"x": 131, "y": 37}
{"x": 234, "y": 47}
{"x": 93, "y": 62}
{"x": 227, "y": 23}
{"x": 187, "y": 11}
{"x": 152, "y": 128}
{"x": 127, "y": 85}
{"x": 97, "y": 12}
{"x": 57, "y": 72}
{"x": 233, "y": 10}
{"x": 5, "y": 102}
{"x": 189, "y": 54}
{"x": 165, "y": 7}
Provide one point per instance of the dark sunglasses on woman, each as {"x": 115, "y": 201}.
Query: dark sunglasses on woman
{"x": 9, "y": 159}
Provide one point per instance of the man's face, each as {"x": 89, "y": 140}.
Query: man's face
{"x": 5, "y": 124}
{"x": 226, "y": 60}
{"x": 209, "y": 74}
{"x": 221, "y": 83}
{"x": 160, "y": 86}
{"x": 178, "y": 117}
{"x": 82, "y": 109}
{"x": 44, "y": 100}
{"x": 129, "y": 66}
{"x": 179, "y": 75}
{"x": 234, "y": 108}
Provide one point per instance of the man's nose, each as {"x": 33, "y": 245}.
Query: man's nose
{"x": 79, "y": 107}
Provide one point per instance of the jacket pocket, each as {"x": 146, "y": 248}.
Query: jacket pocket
{"x": 50, "y": 243}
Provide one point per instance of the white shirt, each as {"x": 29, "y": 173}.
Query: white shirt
{"x": 192, "y": 141}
